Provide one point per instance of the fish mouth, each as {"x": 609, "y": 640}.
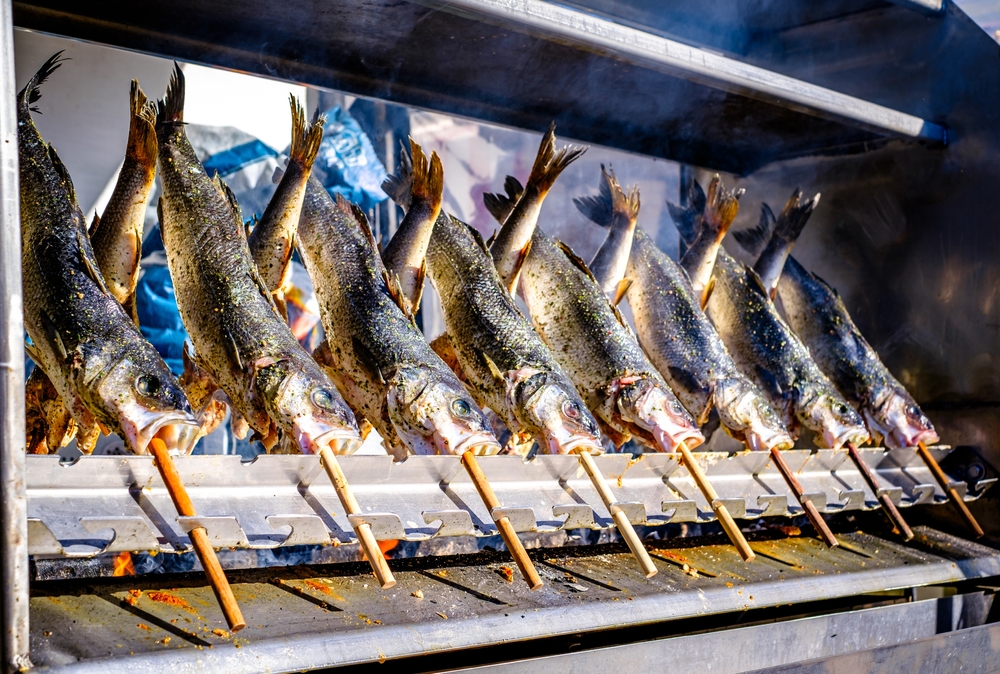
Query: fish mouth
{"x": 911, "y": 437}
{"x": 479, "y": 443}
{"x": 767, "y": 439}
{"x": 670, "y": 429}
{"x": 571, "y": 443}
{"x": 836, "y": 438}
{"x": 178, "y": 430}
{"x": 674, "y": 438}
{"x": 312, "y": 436}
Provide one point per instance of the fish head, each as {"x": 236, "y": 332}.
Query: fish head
{"x": 148, "y": 402}
{"x": 651, "y": 406}
{"x": 899, "y": 420}
{"x": 834, "y": 421}
{"x": 548, "y": 406}
{"x": 433, "y": 413}
{"x": 742, "y": 408}
{"x": 306, "y": 406}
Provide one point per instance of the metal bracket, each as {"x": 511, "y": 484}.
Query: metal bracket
{"x": 983, "y": 485}
{"x": 578, "y": 516}
{"x": 131, "y": 534}
{"x": 385, "y": 526}
{"x": 737, "y": 507}
{"x": 634, "y": 512}
{"x": 922, "y": 493}
{"x": 223, "y": 532}
{"x": 453, "y": 522}
{"x": 774, "y": 505}
{"x": 522, "y": 519}
{"x": 306, "y": 529}
{"x": 682, "y": 511}
{"x": 961, "y": 487}
{"x": 895, "y": 494}
{"x": 41, "y": 540}
{"x": 818, "y": 499}
{"x": 851, "y": 499}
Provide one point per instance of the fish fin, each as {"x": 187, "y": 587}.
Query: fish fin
{"x": 500, "y": 205}
{"x": 550, "y": 163}
{"x": 685, "y": 217}
{"x": 489, "y": 241}
{"x": 249, "y": 226}
{"x": 754, "y": 239}
{"x": 611, "y": 201}
{"x": 33, "y": 353}
{"x": 395, "y": 291}
{"x": 756, "y": 283}
{"x": 90, "y": 267}
{"x": 826, "y": 285}
{"x": 227, "y": 192}
{"x": 721, "y": 207}
{"x": 230, "y": 345}
{"x": 794, "y": 216}
{"x": 94, "y": 224}
{"x": 706, "y": 293}
{"x": 30, "y": 95}
{"x": 577, "y": 262}
{"x": 428, "y": 178}
{"x": 494, "y": 370}
{"x": 399, "y": 186}
{"x": 142, "y": 127}
{"x": 356, "y": 212}
{"x": 419, "y": 292}
{"x": 306, "y": 137}
{"x": 63, "y": 173}
{"x": 621, "y": 290}
{"x": 621, "y": 319}
{"x": 131, "y": 309}
{"x": 445, "y": 349}
{"x": 474, "y": 233}
{"x": 364, "y": 355}
{"x": 170, "y": 109}
{"x": 515, "y": 274}
{"x": 51, "y": 331}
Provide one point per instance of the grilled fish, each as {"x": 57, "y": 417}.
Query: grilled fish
{"x": 238, "y": 336}
{"x": 511, "y": 245}
{"x": 781, "y": 235}
{"x": 618, "y": 212}
{"x": 681, "y": 342}
{"x": 375, "y": 354}
{"x": 81, "y": 336}
{"x": 418, "y": 188}
{"x": 765, "y": 349}
{"x": 272, "y": 240}
{"x": 594, "y": 345}
{"x": 818, "y": 316}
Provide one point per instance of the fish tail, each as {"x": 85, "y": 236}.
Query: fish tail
{"x": 549, "y": 162}
{"x": 754, "y": 239}
{"x": 612, "y": 204}
{"x": 142, "y": 127}
{"x": 170, "y": 109}
{"x": 794, "y": 216}
{"x": 500, "y": 205}
{"x": 428, "y": 177}
{"x": 306, "y": 137}
{"x": 686, "y": 217}
{"x": 30, "y": 95}
{"x": 399, "y": 186}
{"x": 721, "y": 207}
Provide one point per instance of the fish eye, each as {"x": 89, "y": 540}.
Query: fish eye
{"x": 840, "y": 408}
{"x": 460, "y": 407}
{"x": 675, "y": 407}
{"x": 571, "y": 410}
{"x": 323, "y": 399}
{"x": 147, "y": 384}
{"x": 913, "y": 411}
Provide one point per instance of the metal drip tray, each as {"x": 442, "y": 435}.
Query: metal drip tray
{"x": 316, "y": 616}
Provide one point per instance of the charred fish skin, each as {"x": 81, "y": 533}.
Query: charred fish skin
{"x": 507, "y": 366}
{"x": 593, "y": 344}
{"x": 818, "y": 316}
{"x": 238, "y": 335}
{"x": 619, "y": 212}
{"x": 272, "y": 240}
{"x": 117, "y": 235}
{"x": 374, "y": 353}
{"x": 418, "y": 188}
{"x": 81, "y": 336}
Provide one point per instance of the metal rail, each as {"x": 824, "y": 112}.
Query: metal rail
{"x": 546, "y": 19}
{"x": 13, "y": 503}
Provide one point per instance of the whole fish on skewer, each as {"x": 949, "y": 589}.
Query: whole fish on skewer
{"x": 594, "y": 345}
{"x": 375, "y": 354}
{"x": 674, "y": 331}
{"x": 504, "y": 361}
{"x": 818, "y": 316}
{"x": 101, "y": 366}
{"x": 238, "y": 335}
{"x": 765, "y": 349}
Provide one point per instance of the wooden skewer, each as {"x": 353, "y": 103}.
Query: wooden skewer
{"x": 363, "y": 531}
{"x": 955, "y": 497}
{"x": 725, "y": 519}
{"x": 199, "y": 537}
{"x": 808, "y": 506}
{"x": 892, "y": 512}
{"x": 621, "y": 521}
{"x": 507, "y": 532}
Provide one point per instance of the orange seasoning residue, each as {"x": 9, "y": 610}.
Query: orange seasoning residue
{"x": 133, "y": 597}
{"x": 322, "y": 587}
{"x": 170, "y": 600}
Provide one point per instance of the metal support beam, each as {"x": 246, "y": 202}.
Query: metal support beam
{"x": 14, "y": 507}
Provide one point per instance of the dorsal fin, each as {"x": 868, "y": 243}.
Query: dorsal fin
{"x": 90, "y": 267}
{"x": 515, "y": 274}
{"x": 577, "y": 262}
{"x": 395, "y": 292}
{"x": 706, "y": 293}
{"x": 826, "y": 285}
{"x": 419, "y": 293}
{"x": 94, "y": 224}
{"x": 754, "y": 239}
{"x": 63, "y": 173}
{"x": 399, "y": 186}
{"x": 500, "y": 205}
{"x": 474, "y": 233}
{"x": 230, "y": 198}
{"x": 755, "y": 283}
{"x": 621, "y": 290}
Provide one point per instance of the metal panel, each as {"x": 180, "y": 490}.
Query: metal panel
{"x": 13, "y": 510}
